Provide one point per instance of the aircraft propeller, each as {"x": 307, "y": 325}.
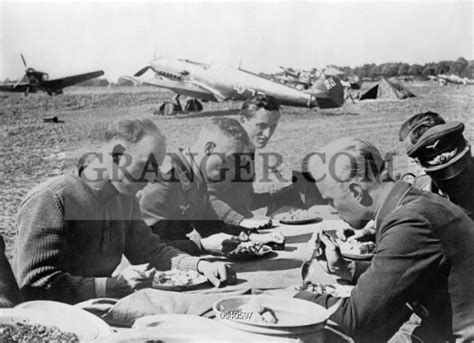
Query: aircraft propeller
{"x": 24, "y": 61}
{"x": 26, "y": 72}
{"x": 142, "y": 71}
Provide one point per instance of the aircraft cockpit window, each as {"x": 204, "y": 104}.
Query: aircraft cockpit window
{"x": 45, "y": 77}
{"x": 203, "y": 65}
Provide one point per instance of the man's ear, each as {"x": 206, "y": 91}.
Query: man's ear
{"x": 357, "y": 191}
{"x": 209, "y": 147}
{"x": 117, "y": 152}
{"x": 360, "y": 194}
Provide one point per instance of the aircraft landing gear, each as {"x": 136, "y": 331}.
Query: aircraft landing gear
{"x": 169, "y": 108}
{"x": 193, "y": 105}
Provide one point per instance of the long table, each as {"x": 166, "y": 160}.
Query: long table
{"x": 280, "y": 269}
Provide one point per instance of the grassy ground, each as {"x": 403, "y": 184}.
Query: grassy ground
{"x": 32, "y": 151}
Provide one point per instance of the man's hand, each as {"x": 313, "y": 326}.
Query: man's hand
{"x": 331, "y": 259}
{"x": 217, "y": 273}
{"x": 215, "y": 242}
{"x": 258, "y": 223}
{"x": 349, "y": 234}
{"x": 130, "y": 279}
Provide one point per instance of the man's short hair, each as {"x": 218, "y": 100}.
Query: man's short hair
{"x": 353, "y": 158}
{"x": 256, "y": 102}
{"x": 418, "y": 124}
{"x": 131, "y": 130}
{"x": 231, "y": 128}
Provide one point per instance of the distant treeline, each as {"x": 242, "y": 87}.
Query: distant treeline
{"x": 460, "y": 67}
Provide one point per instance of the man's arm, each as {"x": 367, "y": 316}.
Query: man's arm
{"x": 9, "y": 292}
{"x": 142, "y": 246}
{"x": 40, "y": 248}
{"x": 406, "y": 250}
{"x": 224, "y": 211}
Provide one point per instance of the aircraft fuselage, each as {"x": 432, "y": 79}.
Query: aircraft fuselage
{"x": 231, "y": 84}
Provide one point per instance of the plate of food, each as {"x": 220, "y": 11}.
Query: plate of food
{"x": 356, "y": 250}
{"x": 178, "y": 280}
{"x": 248, "y": 250}
{"x": 298, "y": 217}
{"x": 46, "y": 321}
{"x": 268, "y": 314}
{"x": 334, "y": 289}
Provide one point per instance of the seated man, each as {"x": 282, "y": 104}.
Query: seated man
{"x": 73, "y": 229}
{"x": 235, "y": 199}
{"x": 179, "y": 202}
{"x": 441, "y": 149}
{"x": 424, "y": 256}
{"x": 9, "y": 292}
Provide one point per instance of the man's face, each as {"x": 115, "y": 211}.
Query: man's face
{"x": 139, "y": 165}
{"x": 342, "y": 200}
{"x": 221, "y": 163}
{"x": 261, "y": 127}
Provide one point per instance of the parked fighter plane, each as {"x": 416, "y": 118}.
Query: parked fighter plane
{"x": 301, "y": 79}
{"x": 213, "y": 82}
{"x": 444, "y": 79}
{"x": 38, "y": 80}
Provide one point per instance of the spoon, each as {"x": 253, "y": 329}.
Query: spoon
{"x": 307, "y": 268}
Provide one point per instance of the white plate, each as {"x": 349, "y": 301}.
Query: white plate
{"x": 294, "y": 315}
{"x": 342, "y": 291}
{"x": 197, "y": 281}
{"x": 65, "y": 317}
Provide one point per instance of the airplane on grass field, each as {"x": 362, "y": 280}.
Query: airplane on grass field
{"x": 38, "y": 80}
{"x": 213, "y": 82}
{"x": 444, "y": 79}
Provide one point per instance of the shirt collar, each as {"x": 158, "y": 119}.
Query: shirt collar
{"x": 187, "y": 159}
{"x": 391, "y": 201}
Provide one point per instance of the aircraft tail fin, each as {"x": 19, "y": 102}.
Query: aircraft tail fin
{"x": 328, "y": 91}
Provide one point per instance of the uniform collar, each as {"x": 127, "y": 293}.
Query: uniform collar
{"x": 187, "y": 161}
{"x": 392, "y": 201}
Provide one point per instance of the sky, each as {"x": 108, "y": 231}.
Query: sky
{"x": 69, "y": 37}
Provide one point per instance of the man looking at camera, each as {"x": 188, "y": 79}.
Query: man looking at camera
{"x": 73, "y": 229}
{"x": 424, "y": 255}
{"x": 235, "y": 199}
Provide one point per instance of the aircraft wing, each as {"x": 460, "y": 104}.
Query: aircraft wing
{"x": 217, "y": 94}
{"x": 72, "y": 80}
{"x": 187, "y": 88}
{"x": 10, "y": 87}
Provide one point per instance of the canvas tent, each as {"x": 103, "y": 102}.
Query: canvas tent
{"x": 385, "y": 89}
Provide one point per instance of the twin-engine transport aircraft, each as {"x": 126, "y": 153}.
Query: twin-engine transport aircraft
{"x": 213, "y": 82}
{"x": 37, "y": 80}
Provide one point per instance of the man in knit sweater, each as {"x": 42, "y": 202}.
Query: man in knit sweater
{"x": 424, "y": 257}
{"x": 235, "y": 199}
{"x": 73, "y": 229}
{"x": 9, "y": 292}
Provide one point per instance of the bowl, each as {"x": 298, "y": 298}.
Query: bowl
{"x": 66, "y": 317}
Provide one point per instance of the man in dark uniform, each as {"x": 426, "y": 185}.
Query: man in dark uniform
{"x": 178, "y": 206}
{"x": 441, "y": 149}
{"x": 424, "y": 253}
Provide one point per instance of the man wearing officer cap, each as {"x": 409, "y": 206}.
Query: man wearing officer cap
{"x": 441, "y": 149}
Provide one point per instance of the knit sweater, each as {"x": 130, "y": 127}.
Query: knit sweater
{"x": 67, "y": 237}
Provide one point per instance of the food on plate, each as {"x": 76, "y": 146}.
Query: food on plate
{"x": 24, "y": 332}
{"x": 259, "y": 313}
{"x": 357, "y": 248}
{"x": 335, "y": 290}
{"x": 249, "y": 248}
{"x": 297, "y": 215}
{"x": 176, "y": 277}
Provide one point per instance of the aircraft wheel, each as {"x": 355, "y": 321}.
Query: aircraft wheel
{"x": 193, "y": 105}
{"x": 168, "y": 108}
